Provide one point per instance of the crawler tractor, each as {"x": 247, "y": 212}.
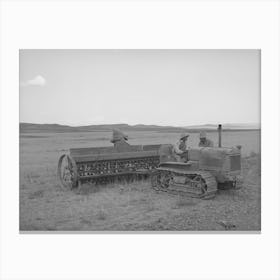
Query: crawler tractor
{"x": 206, "y": 169}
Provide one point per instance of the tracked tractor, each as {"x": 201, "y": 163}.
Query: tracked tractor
{"x": 204, "y": 171}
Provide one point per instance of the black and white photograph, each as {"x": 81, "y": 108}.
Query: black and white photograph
{"x": 140, "y": 140}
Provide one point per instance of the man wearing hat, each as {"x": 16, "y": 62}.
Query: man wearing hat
{"x": 119, "y": 140}
{"x": 204, "y": 141}
{"x": 118, "y": 136}
{"x": 180, "y": 148}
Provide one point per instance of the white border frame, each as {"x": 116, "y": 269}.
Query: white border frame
{"x": 155, "y": 24}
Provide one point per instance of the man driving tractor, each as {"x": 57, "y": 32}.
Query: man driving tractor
{"x": 180, "y": 148}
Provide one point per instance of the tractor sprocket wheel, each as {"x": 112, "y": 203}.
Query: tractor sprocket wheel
{"x": 160, "y": 180}
{"x": 199, "y": 183}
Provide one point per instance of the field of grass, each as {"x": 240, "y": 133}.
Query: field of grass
{"x": 135, "y": 206}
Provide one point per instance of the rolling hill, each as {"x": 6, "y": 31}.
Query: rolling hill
{"x": 58, "y": 128}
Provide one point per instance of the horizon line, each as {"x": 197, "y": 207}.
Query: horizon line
{"x": 187, "y": 125}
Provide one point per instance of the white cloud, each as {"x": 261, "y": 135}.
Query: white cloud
{"x": 36, "y": 81}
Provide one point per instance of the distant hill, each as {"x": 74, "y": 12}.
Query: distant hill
{"x": 57, "y": 128}
{"x": 226, "y": 126}
{"x": 35, "y": 128}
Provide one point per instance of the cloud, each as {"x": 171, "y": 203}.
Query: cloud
{"x": 36, "y": 81}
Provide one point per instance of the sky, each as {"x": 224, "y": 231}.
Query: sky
{"x": 160, "y": 87}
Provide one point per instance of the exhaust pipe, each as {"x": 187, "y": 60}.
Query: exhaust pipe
{"x": 220, "y": 135}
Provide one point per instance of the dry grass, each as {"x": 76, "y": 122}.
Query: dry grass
{"x": 101, "y": 214}
{"x": 36, "y": 194}
{"x": 185, "y": 201}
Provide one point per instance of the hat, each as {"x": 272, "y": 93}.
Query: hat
{"x": 118, "y": 135}
{"x": 184, "y": 135}
{"x": 202, "y": 134}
